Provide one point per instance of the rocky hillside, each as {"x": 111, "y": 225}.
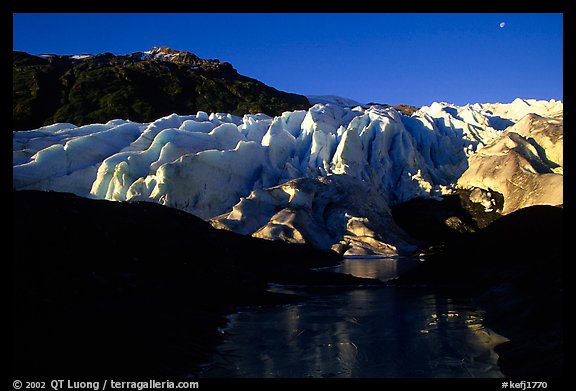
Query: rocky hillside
{"x": 141, "y": 87}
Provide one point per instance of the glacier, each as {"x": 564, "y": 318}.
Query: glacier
{"x": 326, "y": 176}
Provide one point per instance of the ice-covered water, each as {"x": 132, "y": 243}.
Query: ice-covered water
{"x": 366, "y": 332}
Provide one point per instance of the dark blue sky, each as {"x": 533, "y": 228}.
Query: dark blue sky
{"x": 388, "y": 58}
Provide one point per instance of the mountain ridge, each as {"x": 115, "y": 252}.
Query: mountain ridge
{"x": 140, "y": 86}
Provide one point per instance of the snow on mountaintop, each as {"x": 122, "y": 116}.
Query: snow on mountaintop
{"x": 333, "y": 99}
{"x": 325, "y": 175}
{"x": 164, "y": 53}
{"x": 347, "y": 102}
{"x": 82, "y": 56}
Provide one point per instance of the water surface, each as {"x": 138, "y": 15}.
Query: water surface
{"x": 380, "y": 267}
{"x": 373, "y": 332}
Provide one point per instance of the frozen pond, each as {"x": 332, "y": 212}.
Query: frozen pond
{"x": 381, "y": 332}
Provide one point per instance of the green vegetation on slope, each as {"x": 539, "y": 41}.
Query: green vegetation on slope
{"x": 104, "y": 87}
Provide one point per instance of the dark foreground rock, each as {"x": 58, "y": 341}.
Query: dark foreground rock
{"x": 110, "y": 288}
{"x": 441, "y": 221}
{"x": 513, "y": 269}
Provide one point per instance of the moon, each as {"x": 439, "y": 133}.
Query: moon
{"x": 502, "y": 25}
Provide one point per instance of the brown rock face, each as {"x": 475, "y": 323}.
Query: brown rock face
{"x": 524, "y": 164}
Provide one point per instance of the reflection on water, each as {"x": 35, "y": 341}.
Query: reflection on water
{"x": 382, "y": 268}
{"x": 369, "y": 332}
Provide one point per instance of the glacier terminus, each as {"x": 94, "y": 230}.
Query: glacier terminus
{"x": 325, "y": 176}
